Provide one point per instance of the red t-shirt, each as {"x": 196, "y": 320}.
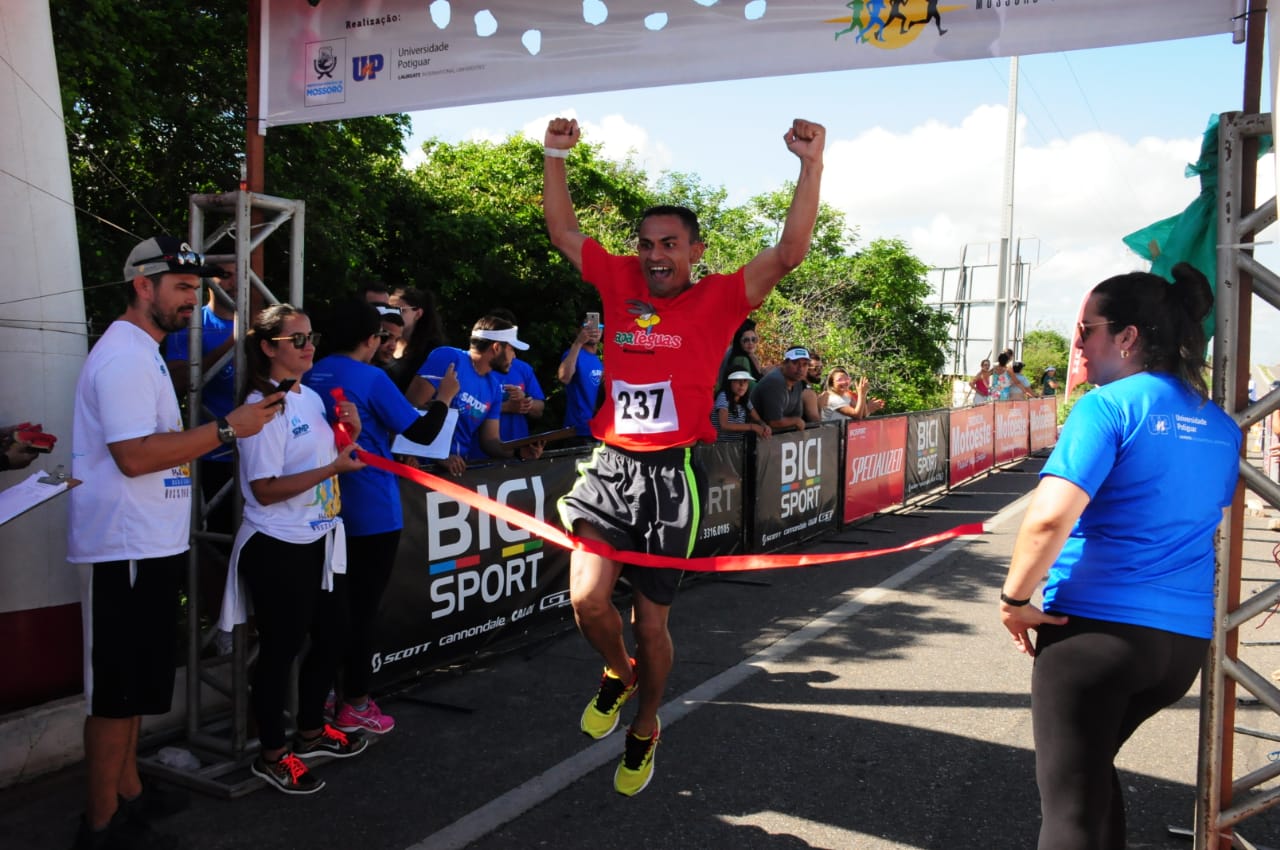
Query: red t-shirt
{"x": 661, "y": 354}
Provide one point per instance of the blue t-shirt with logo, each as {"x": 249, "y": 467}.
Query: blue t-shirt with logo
{"x": 479, "y": 397}
{"x": 220, "y": 392}
{"x": 1159, "y": 464}
{"x": 582, "y": 392}
{"x": 515, "y": 426}
{"x": 370, "y": 497}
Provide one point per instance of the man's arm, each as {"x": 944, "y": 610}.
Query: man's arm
{"x": 569, "y": 365}
{"x": 557, "y": 206}
{"x": 180, "y": 370}
{"x": 155, "y": 452}
{"x": 806, "y": 140}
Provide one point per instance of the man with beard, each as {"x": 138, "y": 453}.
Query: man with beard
{"x": 130, "y": 523}
{"x": 479, "y": 399}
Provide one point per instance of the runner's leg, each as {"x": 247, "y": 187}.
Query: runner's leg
{"x": 591, "y": 583}
{"x": 654, "y": 656}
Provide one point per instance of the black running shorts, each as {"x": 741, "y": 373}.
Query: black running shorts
{"x": 130, "y": 614}
{"x": 641, "y": 502}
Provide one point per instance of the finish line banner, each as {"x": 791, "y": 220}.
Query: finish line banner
{"x": 346, "y": 58}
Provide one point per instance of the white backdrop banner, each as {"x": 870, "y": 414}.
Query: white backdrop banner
{"x": 346, "y": 58}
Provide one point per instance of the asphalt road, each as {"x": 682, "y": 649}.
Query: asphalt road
{"x": 871, "y": 704}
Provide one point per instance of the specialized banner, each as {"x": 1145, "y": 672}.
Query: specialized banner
{"x": 874, "y": 478}
{"x": 463, "y": 578}
{"x": 1011, "y": 430}
{"x": 1044, "y": 423}
{"x": 723, "y": 508}
{"x": 323, "y": 60}
{"x": 797, "y": 480}
{"x": 926, "y": 452}
{"x": 972, "y": 441}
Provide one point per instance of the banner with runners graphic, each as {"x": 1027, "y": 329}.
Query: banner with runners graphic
{"x": 322, "y": 61}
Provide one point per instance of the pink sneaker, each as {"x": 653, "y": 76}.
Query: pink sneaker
{"x": 370, "y": 720}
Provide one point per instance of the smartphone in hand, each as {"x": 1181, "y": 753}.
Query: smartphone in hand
{"x": 592, "y": 322}
{"x": 284, "y": 387}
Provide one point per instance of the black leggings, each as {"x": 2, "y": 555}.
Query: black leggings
{"x": 359, "y": 593}
{"x": 1093, "y": 684}
{"x": 283, "y": 580}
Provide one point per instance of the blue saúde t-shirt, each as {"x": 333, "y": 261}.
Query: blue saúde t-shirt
{"x": 1159, "y": 465}
{"x": 479, "y": 397}
{"x": 220, "y": 392}
{"x": 370, "y": 497}
{"x": 515, "y": 426}
{"x": 582, "y": 392}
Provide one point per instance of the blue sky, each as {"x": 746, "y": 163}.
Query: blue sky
{"x": 918, "y": 152}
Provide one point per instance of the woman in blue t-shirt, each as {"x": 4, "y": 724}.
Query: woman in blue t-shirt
{"x": 1123, "y": 524}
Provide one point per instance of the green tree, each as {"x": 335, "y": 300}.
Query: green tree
{"x": 154, "y": 100}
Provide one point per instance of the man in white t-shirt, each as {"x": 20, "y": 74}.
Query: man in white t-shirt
{"x": 130, "y": 523}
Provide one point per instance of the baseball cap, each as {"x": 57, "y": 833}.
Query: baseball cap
{"x": 796, "y": 354}
{"x": 167, "y": 254}
{"x": 1051, "y": 368}
{"x": 739, "y": 375}
{"x": 507, "y": 335}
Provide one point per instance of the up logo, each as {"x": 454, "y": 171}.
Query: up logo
{"x": 366, "y": 67}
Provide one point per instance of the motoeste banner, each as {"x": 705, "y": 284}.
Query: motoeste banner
{"x": 1011, "y": 430}
{"x": 972, "y": 446}
{"x": 323, "y": 60}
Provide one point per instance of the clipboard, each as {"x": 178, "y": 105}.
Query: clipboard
{"x": 544, "y": 437}
{"x": 36, "y": 489}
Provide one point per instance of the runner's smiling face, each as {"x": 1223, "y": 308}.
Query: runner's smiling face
{"x": 666, "y": 254}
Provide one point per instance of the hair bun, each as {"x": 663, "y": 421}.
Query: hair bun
{"x": 1192, "y": 290}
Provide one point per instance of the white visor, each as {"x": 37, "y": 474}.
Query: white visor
{"x": 507, "y": 335}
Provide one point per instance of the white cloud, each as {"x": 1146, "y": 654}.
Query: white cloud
{"x": 940, "y": 187}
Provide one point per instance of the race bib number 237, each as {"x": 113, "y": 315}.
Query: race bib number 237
{"x": 644, "y": 408}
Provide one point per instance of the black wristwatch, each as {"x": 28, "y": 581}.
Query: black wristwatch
{"x": 226, "y": 434}
{"x": 1016, "y": 603}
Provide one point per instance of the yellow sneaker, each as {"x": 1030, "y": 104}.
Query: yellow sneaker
{"x": 636, "y": 768}
{"x": 600, "y": 717}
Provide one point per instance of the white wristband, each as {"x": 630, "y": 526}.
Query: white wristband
{"x": 556, "y": 153}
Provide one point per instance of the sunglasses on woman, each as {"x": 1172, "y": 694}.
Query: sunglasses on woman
{"x": 1085, "y": 329}
{"x": 299, "y": 339}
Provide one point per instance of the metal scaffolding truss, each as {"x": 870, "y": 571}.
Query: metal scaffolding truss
{"x": 963, "y": 291}
{"x": 217, "y": 693}
{"x": 1224, "y": 802}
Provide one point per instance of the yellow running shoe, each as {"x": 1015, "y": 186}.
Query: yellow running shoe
{"x": 600, "y": 717}
{"x": 636, "y": 768}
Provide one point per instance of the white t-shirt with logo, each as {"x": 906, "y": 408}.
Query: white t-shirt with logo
{"x": 125, "y": 392}
{"x": 299, "y": 440}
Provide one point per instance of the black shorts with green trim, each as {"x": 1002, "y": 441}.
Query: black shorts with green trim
{"x": 647, "y": 502}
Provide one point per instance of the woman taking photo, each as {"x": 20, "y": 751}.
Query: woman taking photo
{"x": 1123, "y": 523}
{"x": 290, "y": 544}
{"x": 741, "y": 356}
{"x": 981, "y": 383}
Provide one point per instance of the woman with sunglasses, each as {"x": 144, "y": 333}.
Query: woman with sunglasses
{"x": 289, "y": 546}
{"x": 370, "y": 497}
{"x": 741, "y": 356}
{"x": 1122, "y": 523}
